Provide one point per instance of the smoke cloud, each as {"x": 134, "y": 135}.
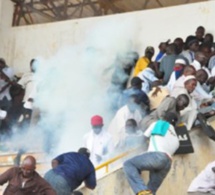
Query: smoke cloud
{"x": 72, "y": 85}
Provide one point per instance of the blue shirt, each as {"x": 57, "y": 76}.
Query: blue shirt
{"x": 76, "y": 168}
{"x": 142, "y": 97}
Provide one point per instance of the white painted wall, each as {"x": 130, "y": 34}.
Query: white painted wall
{"x": 20, "y": 44}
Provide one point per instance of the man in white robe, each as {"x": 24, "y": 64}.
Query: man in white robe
{"x": 204, "y": 182}
{"x": 98, "y": 141}
{"x": 130, "y": 111}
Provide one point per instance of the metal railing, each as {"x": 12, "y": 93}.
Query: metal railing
{"x": 107, "y": 163}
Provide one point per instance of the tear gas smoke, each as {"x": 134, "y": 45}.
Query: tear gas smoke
{"x": 72, "y": 85}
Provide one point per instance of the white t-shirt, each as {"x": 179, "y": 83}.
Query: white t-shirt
{"x": 98, "y": 144}
{"x": 163, "y": 143}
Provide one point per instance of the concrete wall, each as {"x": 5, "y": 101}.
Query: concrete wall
{"x": 183, "y": 171}
{"x": 20, "y": 44}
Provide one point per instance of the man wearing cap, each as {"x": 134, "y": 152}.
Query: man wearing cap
{"x": 177, "y": 72}
{"x": 69, "y": 170}
{"x": 188, "y": 70}
{"x": 157, "y": 160}
{"x": 192, "y": 46}
{"x": 143, "y": 62}
{"x": 98, "y": 141}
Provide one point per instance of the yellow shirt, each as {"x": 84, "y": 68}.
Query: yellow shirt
{"x": 141, "y": 64}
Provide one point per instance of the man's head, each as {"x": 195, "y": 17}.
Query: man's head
{"x": 209, "y": 38}
{"x": 84, "y": 151}
{"x": 182, "y": 101}
{"x": 171, "y": 49}
{"x": 180, "y": 44}
{"x": 179, "y": 67}
{"x": 171, "y": 117}
{"x": 201, "y": 76}
{"x": 162, "y": 46}
{"x": 189, "y": 70}
{"x": 192, "y": 43}
{"x": 2, "y": 63}
{"x": 200, "y": 31}
{"x": 136, "y": 83}
{"x": 190, "y": 83}
{"x": 130, "y": 126}
{"x": 205, "y": 48}
{"x": 28, "y": 166}
{"x": 201, "y": 58}
{"x": 149, "y": 52}
{"x": 180, "y": 63}
{"x": 97, "y": 124}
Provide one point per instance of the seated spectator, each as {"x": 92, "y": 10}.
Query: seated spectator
{"x": 199, "y": 94}
{"x": 143, "y": 62}
{"x": 157, "y": 160}
{"x": 98, "y": 141}
{"x": 190, "y": 112}
{"x": 167, "y": 63}
{"x": 191, "y": 46}
{"x": 204, "y": 183}
{"x": 200, "y": 62}
{"x": 209, "y": 39}
{"x": 205, "y": 48}
{"x": 135, "y": 89}
{"x": 162, "y": 50}
{"x": 188, "y": 70}
{"x": 177, "y": 72}
{"x": 169, "y": 104}
{"x": 179, "y": 44}
{"x": 148, "y": 77}
{"x": 211, "y": 65}
{"x": 131, "y": 137}
{"x": 132, "y": 110}
{"x": 69, "y": 170}
{"x": 200, "y": 32}
{"x": 25, "y": 180}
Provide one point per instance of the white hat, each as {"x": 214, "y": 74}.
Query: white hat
{"x": 189, "y": 77}
{"x": 8, "y": 72}
{"x": 180, "y": 61}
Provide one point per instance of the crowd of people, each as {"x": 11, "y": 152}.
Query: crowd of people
{"x": 148, "y": 102}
